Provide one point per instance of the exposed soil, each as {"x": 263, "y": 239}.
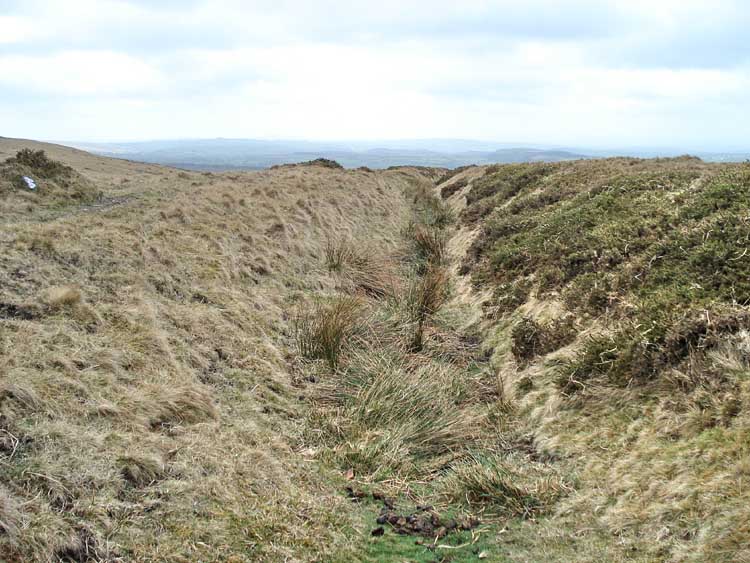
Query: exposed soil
{"x": 422, "y": 521}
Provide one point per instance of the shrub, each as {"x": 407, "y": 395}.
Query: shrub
{"x": 451, "y": 173}
{"x": 450, "y": 189}
{"x": 625, "y": 357}
{"x": 325, "y": 162}
{"x": 506, "y": 298}
{"x": 588, "y": 294}
{"x": 40, "y": 163}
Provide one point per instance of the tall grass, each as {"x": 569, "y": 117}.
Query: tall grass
{"x": 507, "y": 485}
{"x": 424, "y": 297}
{"x": 398, "y": 420}
{"x": 338, "y": 253}
{"x": 323, "y": 331}
{"x": 366, "y": 270}
{"x": 430, "y": 244}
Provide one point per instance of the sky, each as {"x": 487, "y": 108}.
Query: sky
{"x": 593, "y": 73}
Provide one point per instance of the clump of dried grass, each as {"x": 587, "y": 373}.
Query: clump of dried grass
{"x": 365, "y": 270}
{"x": 398, "y": 419}
{"x": 57, "y": 298}
{"x": 141, "y": 471}
{"x": 431, "y": 244}
{"x": 187, "y": 405}
{"x": 325, "y": 330}
{"x": 338, "y": 253}
{"x": 10, "y": 516}
{"x": 508, "y": 485}
{"x": 68, "y": 299}
{"x": 424, "y": 297}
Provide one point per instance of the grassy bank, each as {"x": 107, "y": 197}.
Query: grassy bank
{"x": 615, "y": 304}
{"x": 148, "y": 404}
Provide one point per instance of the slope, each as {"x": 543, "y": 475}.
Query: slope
{"x": 615, "y": 296}
{"x": 148, "y": 406}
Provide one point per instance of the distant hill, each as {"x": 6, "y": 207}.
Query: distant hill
{"x": 249, "y": 154}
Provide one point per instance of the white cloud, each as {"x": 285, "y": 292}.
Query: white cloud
{"x": 78, "y": 73}
{"x": 15, "y": 30}
{"x": 540, "y": 71}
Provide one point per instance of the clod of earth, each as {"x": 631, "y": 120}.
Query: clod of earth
{"x": 426, "y": 523}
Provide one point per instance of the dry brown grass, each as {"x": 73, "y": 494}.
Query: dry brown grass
{"x": 362, "y": 268}
{"x": 431, "y": 243}
{"x": 146, "y": 342}
{"x": 324, "y": 330}
{"x": 425, "y": 295}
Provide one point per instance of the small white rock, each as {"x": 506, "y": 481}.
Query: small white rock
{"x": 31, "y": 184}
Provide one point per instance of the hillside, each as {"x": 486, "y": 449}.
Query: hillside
{"x": 615, "y": 298}
{"x": 527, "y": 362}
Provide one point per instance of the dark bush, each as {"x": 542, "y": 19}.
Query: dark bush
{"x": 40, "y": 163}
{"x": 449, "y": 190}
{"x": 531, "y": 339}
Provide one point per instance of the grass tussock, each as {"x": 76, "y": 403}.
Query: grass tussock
{"x": 424, "y": 297}
{"x": 339, "y": 254}
{"x": 431, "y": 244}
{"x": 141, "y": 471}
{"x": 365, "y": 270}
{"x": 58, "y": 298}
{"x": 396, "y": 421}
{"x": 10, "y": 516}
{"x": 324, "y": 331}
{"x": 188, "y": 405}
{"x": 507, "y": 486}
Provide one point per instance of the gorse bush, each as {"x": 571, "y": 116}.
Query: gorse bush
{"x": 449, "y": 190}
{"x": 40, "y": 163}
{"x": 531, "y": 338}
{"x": 324, "y": 331}
{"x": 56, "y": 184}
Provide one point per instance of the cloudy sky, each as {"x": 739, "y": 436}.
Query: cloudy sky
{"x": 573, "y": 72}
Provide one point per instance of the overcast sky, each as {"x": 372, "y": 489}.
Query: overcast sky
{"x": 572, "y": 72}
